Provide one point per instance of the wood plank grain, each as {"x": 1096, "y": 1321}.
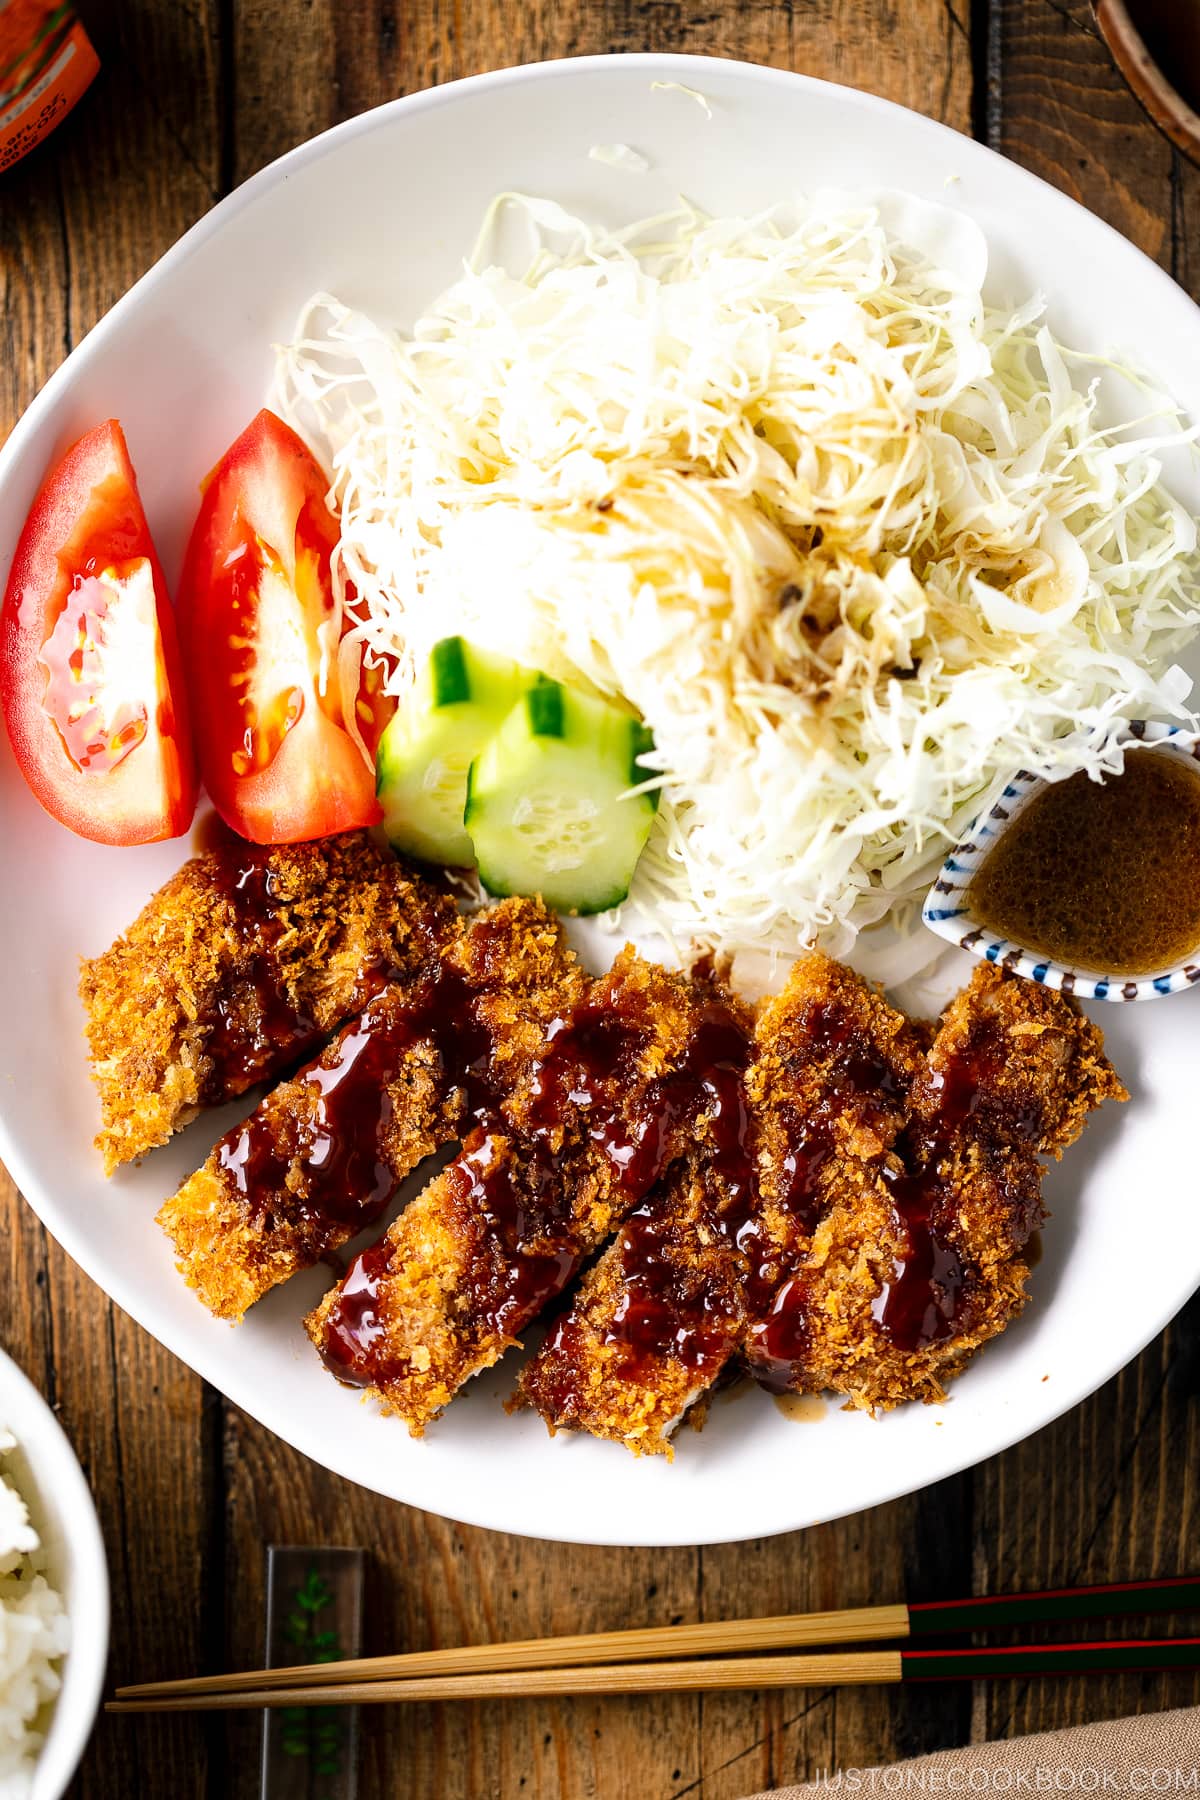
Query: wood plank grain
{"x": 339, "y": 59}
{"x": 1118, "y": 1501}
{"x": 136, "y": 1418}
{"x": 1058, "y": 105}
{"x": 33, "y": 313}
{"x": 433, "y": 1583}
{"x": 912, "y": 1549}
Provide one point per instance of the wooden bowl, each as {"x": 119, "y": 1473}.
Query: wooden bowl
{"x": 1148, "y": 38}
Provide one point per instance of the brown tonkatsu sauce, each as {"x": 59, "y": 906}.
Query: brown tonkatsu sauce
{"x": 924, "y": 1301}
{"x": 663, "y": 1312}
{"x": 522, "y": 1199}
{"x": 210, "y": 832}
{"x": 354, "y": 1327}
{"x": 921, "y": 1303}
{"x": 340, "y": 1143}
{"x": 589, "y": 1064}
{"x": 587, "y": 1077}
{"x": 508, "y": 1288}
{"x": 858, "y": 1073}
{"x": 670, "y": 1309}
{"x": 588, "y": 1071}
{"x": 1103, "y": 875}
{"x": 251, "y": 1030}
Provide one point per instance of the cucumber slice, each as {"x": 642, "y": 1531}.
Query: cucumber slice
{"x": 421, "y": 764}
{"x": 544, "y": 801}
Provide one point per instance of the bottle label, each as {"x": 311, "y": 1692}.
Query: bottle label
{"x": 46, "y": 63}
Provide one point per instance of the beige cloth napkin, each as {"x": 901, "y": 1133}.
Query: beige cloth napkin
{"x": 1152, "y": 1754}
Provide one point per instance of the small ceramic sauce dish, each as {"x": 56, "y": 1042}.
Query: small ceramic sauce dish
{"x": 1056, "y": 880}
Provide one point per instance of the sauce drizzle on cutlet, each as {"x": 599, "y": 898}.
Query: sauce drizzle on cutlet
{"x": 252, "y": 1023}
{"x": 503, "y": 1292}
{"x": 860, "y": 1078}
{"x": 924, "y": 1300}
{"x": 354, "y": 1327}
{"x": 921, "y": 1303}
{"x": 523, "y": 1201}
{"x": 587, "y": 1075}
{"x": 670, "y": 1308}
{"x": 590, "y": 1063}
{"x": 252, "y": 1029}
{"x": 339, "y": 1144}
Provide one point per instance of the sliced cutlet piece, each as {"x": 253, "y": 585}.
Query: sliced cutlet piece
{"x": 909, "y": 1273}
{"x": 668, "y": 1305}
{"x": 1016, "y": 1063}
{"x": 830, "y": 1087}
{"x": 655, "y": 1320}
{"x": 322, "y": 1156}
{"x": 628, "y": 1082}
{"x": 237, "y": 968}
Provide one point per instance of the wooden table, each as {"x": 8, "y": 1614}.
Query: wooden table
{"x": 194, "y": 97}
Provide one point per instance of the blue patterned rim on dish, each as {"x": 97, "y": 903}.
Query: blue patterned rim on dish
{"x": 947, "y": 908}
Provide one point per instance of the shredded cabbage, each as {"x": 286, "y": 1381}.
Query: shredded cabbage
{"x": 853, "y": 543}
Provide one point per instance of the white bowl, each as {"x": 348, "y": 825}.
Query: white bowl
{"x": 381, "y": 210}
{"x": 51, "y": 1483}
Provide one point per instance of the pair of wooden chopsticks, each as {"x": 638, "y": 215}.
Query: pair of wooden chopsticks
{"x": 608, "y": 1662}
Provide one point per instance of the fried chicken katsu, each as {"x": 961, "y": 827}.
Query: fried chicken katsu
{"x": 239, "y": 966}
{"x": 702, "y": 1270}
{"x": 895, "y": 1183}
{"x": 627, "y": 1082}
{"x": 323, "y": 1154}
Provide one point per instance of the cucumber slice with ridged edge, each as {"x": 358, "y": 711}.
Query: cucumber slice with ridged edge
{"x": 461, "y": 697}
{"x": 548, "y": 808}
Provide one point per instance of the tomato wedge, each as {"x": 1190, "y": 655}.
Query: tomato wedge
{"x": 90, "y": 679}
{"x": 256, "y": 612}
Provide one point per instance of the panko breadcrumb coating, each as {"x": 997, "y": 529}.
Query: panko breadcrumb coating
{"x": 898, "y": 1184}
{"x": 236, "y": 968}
{"x": 324, "y": 1153}
{"x": 832, "y": 1081}
{"x": 611, "y": 1103}
{"x": 840, "y": 1200}
{"x": 672, "y": 1300}
{"x": 921, "y": 1257}
{"x": 655, "y": 1320}
{"x": 905, "y": 1286}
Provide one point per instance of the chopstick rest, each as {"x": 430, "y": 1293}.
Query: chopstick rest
{"x": 314, "y": 1610}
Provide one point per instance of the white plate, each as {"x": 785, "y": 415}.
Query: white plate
{"x": 379, "y": 211}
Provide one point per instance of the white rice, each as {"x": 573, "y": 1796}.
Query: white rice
{"x": 34, "y": 1634}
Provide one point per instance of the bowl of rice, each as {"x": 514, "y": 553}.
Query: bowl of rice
{"x": 53, "y": 1598}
